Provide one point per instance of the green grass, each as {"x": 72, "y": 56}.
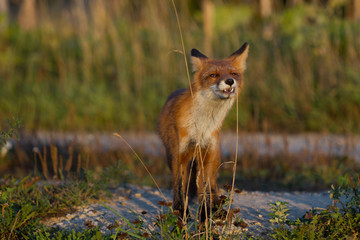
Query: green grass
{"x": 10, "y": 131}
{"x": 291, "y": 173}
{"x": 115, "y": 71}
{"x": 279, "y": 173}
{"x": 24, "y": 202}
{"x": 341, "y": 221}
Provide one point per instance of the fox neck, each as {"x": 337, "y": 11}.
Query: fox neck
{"x": 208, "y": 114}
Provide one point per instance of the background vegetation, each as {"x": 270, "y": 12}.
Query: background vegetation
{"x": 110, "y": 65}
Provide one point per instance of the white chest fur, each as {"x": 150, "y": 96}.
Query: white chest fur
{"x": 207, "y": 116}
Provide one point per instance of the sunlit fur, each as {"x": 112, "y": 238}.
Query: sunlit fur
{"x": 190, "y": 123}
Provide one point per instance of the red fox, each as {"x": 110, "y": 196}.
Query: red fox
{"x": 190, "y": 122}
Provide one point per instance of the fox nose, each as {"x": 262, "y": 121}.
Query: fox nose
{"x": 229, "y": 81}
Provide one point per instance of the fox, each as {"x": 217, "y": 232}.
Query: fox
{"x": 189, "y": 126}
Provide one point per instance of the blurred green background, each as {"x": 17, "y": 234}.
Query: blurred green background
{"x": 110, "y": 65}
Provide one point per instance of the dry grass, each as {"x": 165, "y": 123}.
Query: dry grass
{"x": 258, "y": 166}
{"x": 111, "y": 65}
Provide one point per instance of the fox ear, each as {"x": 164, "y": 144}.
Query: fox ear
{"x": 197, "y": 59}
{"x": 239, "y": 57}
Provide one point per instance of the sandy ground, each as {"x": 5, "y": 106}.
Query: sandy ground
{"x": 130, "y": 202}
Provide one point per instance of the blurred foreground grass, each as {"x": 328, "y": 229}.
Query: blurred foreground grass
{"x": 111, "y": 66}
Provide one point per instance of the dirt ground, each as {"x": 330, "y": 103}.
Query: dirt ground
{"x": 131, "y": 201}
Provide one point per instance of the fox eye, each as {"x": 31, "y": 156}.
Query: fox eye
{"x": 234, "y": 74}
{"x": 214, "y": 75}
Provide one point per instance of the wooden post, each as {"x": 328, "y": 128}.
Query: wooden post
{"x": 4, "y": 7}
{"x": 265, "y": 8}
{"x": 4, "y": 11}
{"x": 208, "y": 16}
{"x": 27, "y": 14}
{"x": 296, "y": 2}
{"x": 355, "y": 9}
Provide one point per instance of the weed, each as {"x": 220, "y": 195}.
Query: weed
{"x": 23, "y": 203}
{"x": 332, "y": 223}
{"x": 13, "y": 125}
{"x": 279, "y": 212}
{"x": 347, "y": 190}
{"x": 119, "y": 173}
{"x": 47, "y": 234}
{"x": 5, "y": 134}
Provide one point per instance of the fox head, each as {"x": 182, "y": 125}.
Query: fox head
{"x": 219, "y": 79}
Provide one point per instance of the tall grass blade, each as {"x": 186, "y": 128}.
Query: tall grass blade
{"x": 183, "y": 46}
{"x": 132, "y": 226}
{"x": 13, "y": 226}
{"x": 141, "y": 161}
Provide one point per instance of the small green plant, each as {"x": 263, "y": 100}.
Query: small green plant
{"x": 279, "y": 212}
{"x": 331, "y": 223}
{"x": 118, "y": 174}
{"x": 11, "y": 131}
{"x": 49, "y": 234}
{"x": 167, "y": 225}
{"x": 348, "y": 190}
{"x": 24, "y": 202}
